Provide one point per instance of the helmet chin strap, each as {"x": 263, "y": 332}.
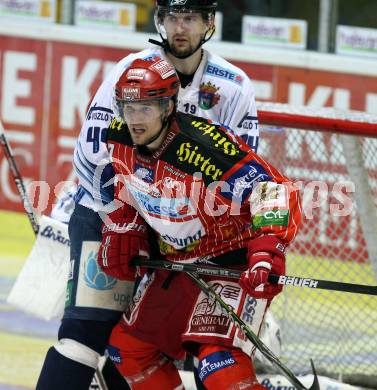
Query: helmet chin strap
{"x": 164, "y": 124}
{"x": 166, "y": 46}
{"x": 151, "y": 140}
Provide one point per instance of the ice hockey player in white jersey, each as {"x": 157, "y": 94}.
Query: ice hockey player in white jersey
{"x": 211, "y": 87}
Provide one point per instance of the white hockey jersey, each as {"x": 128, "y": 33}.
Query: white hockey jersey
{"x": 219, "y": 91}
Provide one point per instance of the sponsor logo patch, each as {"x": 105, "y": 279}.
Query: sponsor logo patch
{"x": 147, "y": 188}
{"x": 114, "y": 354}
{"x": 54, "y": 235}
{"x": 192, "y": 155}
{"x": 186, "y": 244}
{"x": 249, "y": 309}
{"x": 116, "y": 124}
{"x": 175, "y": 172}
{"x": 95, "y": 277}
{"x": 267, "y": 196}
{"x": 144, "y": 173}
{"x": 271, "y": 217}
{"x": 136, "y": 74}
{"x": 241, "y": 182}
{"x": 130, "y": 314}
{"x": 164, "y": 69}
{"x": 99, "y": 116}
{"x": 99, "y": 113}
{"x": 276, "y": 384}
{"x": 208, "y": 317}
{"x": 178, "y": 208}
{"x": 215, "y": 362}
{"x": 295, "y": 281}
{"x": 221, "y": 141}
{"x": 248, "y": 122}
{"x": 218, "y": 71}
{"x": 130, "y": 93}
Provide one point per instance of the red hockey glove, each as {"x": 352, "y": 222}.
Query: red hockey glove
{"x": 123, "y": 238}
{"x": 265, "y": 255}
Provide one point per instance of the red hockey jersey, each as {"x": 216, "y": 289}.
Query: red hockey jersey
{"x": 204, "y": 191}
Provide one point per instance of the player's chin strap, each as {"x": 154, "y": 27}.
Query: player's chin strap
{"x": 151, "y": 140}
{"x": 165, "y": 44}
{"x": 243, "y": 326}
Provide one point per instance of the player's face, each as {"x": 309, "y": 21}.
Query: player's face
{"x": 184, "y": 31}
{"x": 144, "y": 121}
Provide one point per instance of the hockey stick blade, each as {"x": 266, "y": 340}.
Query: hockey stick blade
{"x": 315, "y": 385}
{"x": 293, "y": 281}
{"x": 169, "y": 266}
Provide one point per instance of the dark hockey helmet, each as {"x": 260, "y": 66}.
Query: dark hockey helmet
{"x": 187, "y": 5}
{"x": 146, "y": 80}
{"x": 207, "y": 8}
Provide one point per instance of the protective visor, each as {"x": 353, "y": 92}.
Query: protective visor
{"x": 141, "y": 111}
{"x": 167, "y": 21}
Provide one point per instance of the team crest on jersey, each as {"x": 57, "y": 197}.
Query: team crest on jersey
{"x": 208, "y": 96}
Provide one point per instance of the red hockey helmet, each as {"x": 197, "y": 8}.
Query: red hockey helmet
{"x": 146, "y": 80}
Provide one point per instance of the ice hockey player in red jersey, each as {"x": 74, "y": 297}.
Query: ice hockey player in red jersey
{"x": 209, "y": 199}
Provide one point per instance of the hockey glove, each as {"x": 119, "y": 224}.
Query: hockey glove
{"x": 265, "y": 255}
{"x": 123, "y": 238}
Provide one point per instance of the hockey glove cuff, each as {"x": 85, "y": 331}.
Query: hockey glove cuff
{"x": 124, "y": 238}
{"x": 265, "y": 256}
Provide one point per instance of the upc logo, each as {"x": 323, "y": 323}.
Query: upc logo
{"x": 95, "y": 277}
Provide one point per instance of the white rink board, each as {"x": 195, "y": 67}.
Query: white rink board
{"x": 230, "y": 51}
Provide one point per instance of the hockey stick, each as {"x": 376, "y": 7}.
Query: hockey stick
{"x": 98, "y": 381}
{"x": 294, "y": 281}
{"x": 18, "y": 180}
{"x": 240, "y": 323}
